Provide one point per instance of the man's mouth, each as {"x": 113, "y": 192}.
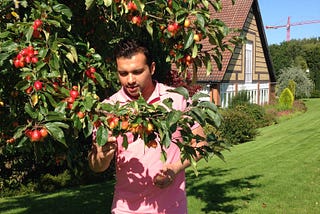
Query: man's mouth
{"x": 133, "y": 89}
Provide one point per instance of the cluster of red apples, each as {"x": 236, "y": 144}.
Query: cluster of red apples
{"x": 26, "y": 56}
{"x": 36, "y": 135}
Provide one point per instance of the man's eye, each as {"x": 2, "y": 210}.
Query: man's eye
{"x": 138, "y": 72}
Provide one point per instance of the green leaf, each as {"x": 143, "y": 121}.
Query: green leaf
{"x": 182, "y": 91}
{"x": 163, "y": 157}
{"x": 194, "y": 51}
{"x": 59, "y": 124}
{"x": 209, "y": 105}
{"x": 87, "y": 130}
{"x": 4, "y": 34}
{"x": 213, "y": 116}
{"x": 9, "y": 46}
{"x": 88, "y": 103}
{"x": 54, "y": 116}
{"x": 107, "y": 3}
{"x": 61, "y": 8}
{"x": 197, "y": 115}
{"x": 107, "y": 107}
{"x": 61, "y": 107}
{"x": 125, "y": 141}
{"x": 208, "y": 64}
{"x": 4, "y": 56}
{"x": 64, "y": 91}
{"x": 19, "y": 133}
{"x": 96, "y": 57}
{"x": 188, "y": 40}
{"x": 149, "y": 27}
{"x": 200, "y": 20}
{"x": 50, "y": 98}
{"x": 56, "y": 132}
{"x": 218, "y": 60}
{"x": 29, "y": 33}
{"x": 30, "y": 111}
{"x": 102, "y": 136}
{"x": 54, "y": 62}
{"x": 100, "y": 80}
{"x": 53, "y": 22}
{"x": 22, "y": 141}
{"x": 89, "y": 4}
{"x": 173, "y": 117}
{"x": 197, "y": 96}
{"x": 77, "y": 123}
{"x": 205, "y": 3}
{"x": 166, "y": 140}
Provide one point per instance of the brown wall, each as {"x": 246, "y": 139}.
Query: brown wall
{"x": 236, "y": 68}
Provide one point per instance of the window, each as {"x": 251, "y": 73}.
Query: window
{"x": 248, "y": 63}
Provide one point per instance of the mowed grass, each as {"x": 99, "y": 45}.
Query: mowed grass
{"x": 279, "y": 172}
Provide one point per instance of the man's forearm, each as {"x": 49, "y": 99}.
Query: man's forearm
{"x": 98, "y": 161}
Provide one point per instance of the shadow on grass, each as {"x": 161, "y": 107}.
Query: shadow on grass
{"x": 87, "y": 199}
{"x": 215, "y": 192}
{"x": 208, "y": 187}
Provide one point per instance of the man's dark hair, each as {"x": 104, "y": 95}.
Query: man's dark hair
{"x": 128, "y": 47}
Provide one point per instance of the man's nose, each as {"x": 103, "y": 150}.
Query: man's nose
{"x": 131, "y": 78}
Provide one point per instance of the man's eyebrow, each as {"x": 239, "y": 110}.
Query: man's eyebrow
{"x": 135, "y": 70}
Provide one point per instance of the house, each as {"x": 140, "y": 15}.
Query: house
{"x": 249, "y": 66}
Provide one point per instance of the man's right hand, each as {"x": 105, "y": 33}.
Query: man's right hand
{"x": 100, "y": 156}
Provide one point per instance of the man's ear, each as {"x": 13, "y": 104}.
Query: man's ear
{"x": 152, "y": 68}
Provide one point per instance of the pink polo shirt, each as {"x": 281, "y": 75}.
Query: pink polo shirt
{"x": 137, "y": 165}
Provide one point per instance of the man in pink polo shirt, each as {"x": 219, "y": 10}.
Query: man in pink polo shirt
{"x": 144, "y": 184}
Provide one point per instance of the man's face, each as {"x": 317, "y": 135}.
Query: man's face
{"x": 135, "y": 75}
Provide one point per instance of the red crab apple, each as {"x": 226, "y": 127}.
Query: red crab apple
{"x": 36, "y": 135}
{"x": 38, "y": 85}
{"x": 74, "y": 93}
{"x": 171, "y": 28}
{"x": 113, "y": 122}
{"x": 37, "y": 23}
{"x": 125, "y": 124}
{"x": 136, "y": 20}
{"x": 43, "y": 132}
{"x": 131, "y": 6}
{"x": 29, "y": 90}
{"x": 80, "y": 114}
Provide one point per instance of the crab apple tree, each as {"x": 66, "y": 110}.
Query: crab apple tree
{"x": 56, "y": 68}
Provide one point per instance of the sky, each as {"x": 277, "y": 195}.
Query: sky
{"x": 276, "y": 12}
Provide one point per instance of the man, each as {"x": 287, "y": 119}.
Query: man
{"x": 144, "y": 184}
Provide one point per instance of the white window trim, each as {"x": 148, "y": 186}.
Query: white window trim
{"x": 248, "y": 62}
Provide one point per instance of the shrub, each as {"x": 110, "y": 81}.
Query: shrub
{"x": 299, "y": 105}
{"x": 240, "y": 98}
{"x": 292, "y": 87}
{"x": 50, "y": 183}
{"x": 237, "y": 127}
{"x": 286, "y": 99}
{"x": 258, "y": 114}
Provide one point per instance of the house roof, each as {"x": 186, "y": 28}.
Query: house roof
{"x": 234, "y": 16}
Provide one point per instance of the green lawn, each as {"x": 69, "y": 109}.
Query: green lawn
{"x": 279, "y": 172}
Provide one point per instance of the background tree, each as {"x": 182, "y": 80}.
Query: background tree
{"x": 298, "y": 53}
{"x": 304, "y": 84}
